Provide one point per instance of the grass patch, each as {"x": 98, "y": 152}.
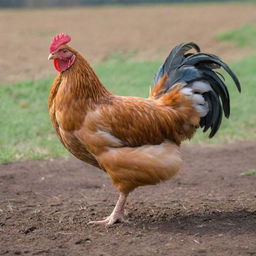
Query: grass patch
{"x": 26, "y": 132}
{"x": 248, "y": 173}
{"x": 25, "y": 126}
{"x": 127, "y": 77}
{"x": 244, "y": 36}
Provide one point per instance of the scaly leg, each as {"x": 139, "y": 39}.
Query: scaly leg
{"x": 117, "y": 215}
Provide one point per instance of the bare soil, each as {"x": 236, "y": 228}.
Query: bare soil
{"x": 208, "y": 209}
{"x": 148, "y": 32}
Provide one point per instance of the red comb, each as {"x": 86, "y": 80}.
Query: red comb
{"x": 58, "y": 41}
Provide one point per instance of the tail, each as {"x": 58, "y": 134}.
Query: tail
{"x": 198, "y": 80}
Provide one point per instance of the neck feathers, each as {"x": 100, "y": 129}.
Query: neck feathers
{"x": 83, "y": 82}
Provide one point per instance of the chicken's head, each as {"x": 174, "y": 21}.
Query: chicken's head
{"x": 61, "y": 53}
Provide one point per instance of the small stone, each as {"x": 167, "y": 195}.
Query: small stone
{"x": 83, "y": 240}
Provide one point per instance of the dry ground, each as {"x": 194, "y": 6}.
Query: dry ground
{"x": 149, "y": 31}
{"x": 208, "y": 209}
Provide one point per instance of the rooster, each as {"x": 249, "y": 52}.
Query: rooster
{"x": 136, "y": 140}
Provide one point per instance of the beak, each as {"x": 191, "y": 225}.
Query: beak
{"x": 51, "y": 56}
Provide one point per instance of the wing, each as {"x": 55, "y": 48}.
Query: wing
{"x": 136, "y": 121}
{"x": 132, "y": 122}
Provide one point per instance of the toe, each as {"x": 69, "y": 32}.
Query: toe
{"x": 100, "y": 222}
{"x": 109, "y": 221}
{"x": 115, "y": 219}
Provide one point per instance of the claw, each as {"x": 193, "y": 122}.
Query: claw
{"x": 116, "y": 216}
{"x": 110, "y": 220}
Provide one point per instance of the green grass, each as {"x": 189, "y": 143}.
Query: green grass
{"x": 250, "y": 172}
{"x": 244, "y": 36}
{"x": 25, "y": 127}
{"x": 26, "y": 132}
{"x": 125, "y": 77}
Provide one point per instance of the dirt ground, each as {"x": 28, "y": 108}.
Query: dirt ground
{"x": 149, "y": 32}
{"x": 208, "y": 209}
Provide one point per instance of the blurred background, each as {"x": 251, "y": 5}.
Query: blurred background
{"x": 64, "y": 3}
{"x": 125, "y": 41}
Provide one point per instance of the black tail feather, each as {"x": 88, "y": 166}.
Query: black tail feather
{"x": 217, "y": 114}
{"x": 187, "y": 68}
{"x": 220, "y": 88}
{"x": 176, "y": 56}
{"x": 203, "y": 59}
{"x": 206, "y": 121}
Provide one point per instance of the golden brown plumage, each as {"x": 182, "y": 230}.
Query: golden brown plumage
{"x": 135, "y": 140}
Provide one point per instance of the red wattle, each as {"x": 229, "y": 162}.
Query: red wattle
{"x": 63, "y": 65}
{"x": 56, "y": 65}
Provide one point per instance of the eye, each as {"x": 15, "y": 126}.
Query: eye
{"x": 64, "y": 51}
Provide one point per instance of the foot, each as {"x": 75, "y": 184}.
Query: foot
{"x": 117, "y": 215}
{"x": 110, "y": 220}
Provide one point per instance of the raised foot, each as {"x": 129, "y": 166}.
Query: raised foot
{"x": 110, "y": 220}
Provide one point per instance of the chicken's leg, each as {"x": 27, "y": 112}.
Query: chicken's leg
{"x": 117, "y": 215}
